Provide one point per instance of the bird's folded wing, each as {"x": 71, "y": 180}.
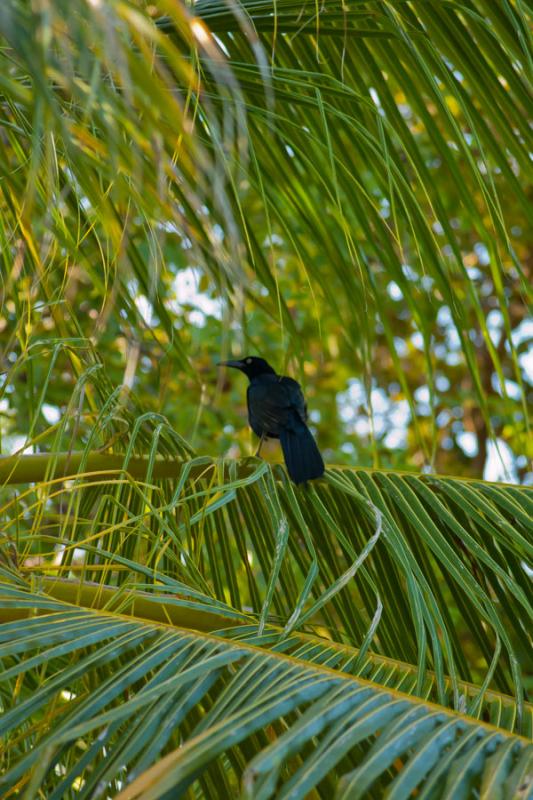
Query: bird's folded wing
{"x": 268, "y": 406}
{"x": 273, "y": 405}
{"x": 297, "y": 400}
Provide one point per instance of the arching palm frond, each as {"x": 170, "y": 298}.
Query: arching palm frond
{"x": 221, "y": 713}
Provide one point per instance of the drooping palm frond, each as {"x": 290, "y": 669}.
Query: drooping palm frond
{"x": 401, "y": 549}
{"x": 225, "y": 713}
{"x": 137, "y": 529}
{"x": 349, "y": 135}
{"x": 100, "y": 158}
{"x": 416, "y": 582}
{"x": 193, "y": 611}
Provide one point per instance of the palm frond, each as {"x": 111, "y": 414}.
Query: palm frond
{"x": 497, "y": 708}
{"x": 368, "y": 558}
{"x": 286, "y": 726}
{"x": 365, "y": 128}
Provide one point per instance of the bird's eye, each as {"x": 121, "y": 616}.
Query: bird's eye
{"x": 248, "y": 360}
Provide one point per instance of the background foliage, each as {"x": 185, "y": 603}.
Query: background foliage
{"x": 344, "y": 190}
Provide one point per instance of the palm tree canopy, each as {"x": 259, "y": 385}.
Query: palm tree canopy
{"x": 376, "y": 156}
{"x": 343, "y": 189}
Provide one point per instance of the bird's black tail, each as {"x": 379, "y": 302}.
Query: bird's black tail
{"x": 301, "y": 453}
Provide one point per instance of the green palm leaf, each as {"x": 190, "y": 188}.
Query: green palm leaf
{"x": 261, "y": 709}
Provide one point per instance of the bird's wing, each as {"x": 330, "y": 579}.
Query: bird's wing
{"x": 296, "y": 396}
{"x": 274, "y": 404}
{"x": 268, "y": 407}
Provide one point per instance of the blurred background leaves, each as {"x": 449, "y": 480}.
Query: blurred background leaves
{"x": 344, "y": 190}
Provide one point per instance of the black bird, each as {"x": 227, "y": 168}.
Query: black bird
{"x": 277, "y": 410}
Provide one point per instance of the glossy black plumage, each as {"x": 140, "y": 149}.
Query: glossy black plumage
{"x": 277, "y": 410}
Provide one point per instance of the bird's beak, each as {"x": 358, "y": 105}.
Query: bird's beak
{"x": 236, "y": 364}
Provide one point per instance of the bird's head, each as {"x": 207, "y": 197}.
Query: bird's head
{"x": 250, "y": 365}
